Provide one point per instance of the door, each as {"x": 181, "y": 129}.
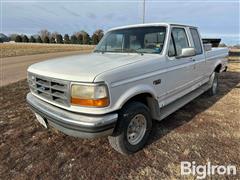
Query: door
{"x": 200, "y": 62}
{"x": 180, "y": 70}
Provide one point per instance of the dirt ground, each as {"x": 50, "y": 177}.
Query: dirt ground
{"x": 205, "y": 130}
{"x": 14, "y": 69}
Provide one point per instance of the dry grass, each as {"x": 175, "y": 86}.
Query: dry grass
{"x": 206, "y": 129}
{"x": 21, "y": 49}
{"x": 234, "y": 50}
{"x": 234, "y": 57}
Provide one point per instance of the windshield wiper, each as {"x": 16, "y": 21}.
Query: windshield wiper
{"x": 136, "y": 51}
{"x": 129, "y": 50}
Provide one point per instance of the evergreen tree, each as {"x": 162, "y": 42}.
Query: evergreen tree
{"x": 52, "y": 40}
{"x": 46, "y": 39}
{"x": 59, "y": 39}
{"x": 39, "y": 40}
{"x": 25, "y": 38}
{"x": 18, "y": 38}
{"x": 73, "y": 39}
{"x": 32, "y": 39}
{"x": 80, "y": 39}
{"x": 66, "y": 39}
{"x": 4, "y": 38}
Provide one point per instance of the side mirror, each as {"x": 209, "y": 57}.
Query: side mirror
{"x": 187, "y": 52}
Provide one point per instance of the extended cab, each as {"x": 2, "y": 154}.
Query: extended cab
{"x": 135, "y": 75}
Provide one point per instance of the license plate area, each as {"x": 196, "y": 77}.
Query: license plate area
{"x": 41, "y": 120}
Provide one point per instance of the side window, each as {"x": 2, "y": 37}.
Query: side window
{"x": 171, "y": 49}
{"x": 180, "y": 39}
{"x": 196, "y": 41}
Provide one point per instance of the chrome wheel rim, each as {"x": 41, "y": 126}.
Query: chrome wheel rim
{"x": 136, "y": 129}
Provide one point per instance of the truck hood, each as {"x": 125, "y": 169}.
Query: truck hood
{"x": 83, "y": 68}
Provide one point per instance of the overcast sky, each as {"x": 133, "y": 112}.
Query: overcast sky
{"x": 215, "y": 18}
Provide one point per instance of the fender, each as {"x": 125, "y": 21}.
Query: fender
{"x": 218, "y": 62}
{"x": 222, "y": 62}
{"x": 134, "y": 91}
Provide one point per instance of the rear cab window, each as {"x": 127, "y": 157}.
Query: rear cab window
{"x": 196, "y": 41}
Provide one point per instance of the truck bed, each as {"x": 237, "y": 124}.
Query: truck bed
{"x": 216, "y": 52}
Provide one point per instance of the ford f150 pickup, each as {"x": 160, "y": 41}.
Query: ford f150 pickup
{"x": 135, "y": 75}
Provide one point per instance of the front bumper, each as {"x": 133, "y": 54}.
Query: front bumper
{"x": 73, "y": 124}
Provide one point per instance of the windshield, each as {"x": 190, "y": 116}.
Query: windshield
{"x": 138, "y": 40}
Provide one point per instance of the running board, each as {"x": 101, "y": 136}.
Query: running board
{"x": 177, "y": 104}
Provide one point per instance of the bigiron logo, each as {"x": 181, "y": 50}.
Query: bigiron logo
{"x": 202, "y": 171}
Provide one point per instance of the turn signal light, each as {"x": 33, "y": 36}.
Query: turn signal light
{"x": 103, "y": 102}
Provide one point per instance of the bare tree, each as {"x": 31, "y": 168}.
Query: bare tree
{"x": 94, "y": 39}
{"x": 222, "y": 45}
{"x": 99, "y": 33}
{"x": 54, "y": 35}
{"x": 13, "y": 37}
{"x": 237, "y": 46}
{"x": 85, "y": 37}
{"x": 44, "y": 33}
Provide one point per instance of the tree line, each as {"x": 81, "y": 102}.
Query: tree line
{"x": 44, "y": 36}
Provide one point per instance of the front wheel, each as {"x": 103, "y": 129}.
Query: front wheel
{"x": 214, "y": 84}
{"x": 133, "y": 128}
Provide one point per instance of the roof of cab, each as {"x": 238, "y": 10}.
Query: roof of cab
{"x": 149, "y": 24}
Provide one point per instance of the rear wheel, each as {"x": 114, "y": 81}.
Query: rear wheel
{"x": 133, "y": 128}
{"x": 214, "y": 84}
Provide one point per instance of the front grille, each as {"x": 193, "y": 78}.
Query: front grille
{"x": 51, "y": 89}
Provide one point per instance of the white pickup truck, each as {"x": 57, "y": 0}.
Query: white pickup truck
{"x": 135, "y": 75}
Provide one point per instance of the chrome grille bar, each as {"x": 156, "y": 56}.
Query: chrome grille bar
{"x": 51, "y": 89}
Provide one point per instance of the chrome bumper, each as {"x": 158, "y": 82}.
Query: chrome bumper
{"x": 71, "y": 123}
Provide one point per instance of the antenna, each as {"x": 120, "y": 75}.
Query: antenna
{"x": 143, "y": 18}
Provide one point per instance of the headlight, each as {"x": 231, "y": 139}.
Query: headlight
{"x": 95, "y": 95}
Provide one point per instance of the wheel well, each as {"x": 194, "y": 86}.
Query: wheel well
{"x": 140, "y": 98}
{"x": 148, "y": 100}
{"x": 218, "y": 68}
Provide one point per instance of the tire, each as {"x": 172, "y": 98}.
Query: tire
{"x": 214, "y": 84}
{"x": 129, "y": 135}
